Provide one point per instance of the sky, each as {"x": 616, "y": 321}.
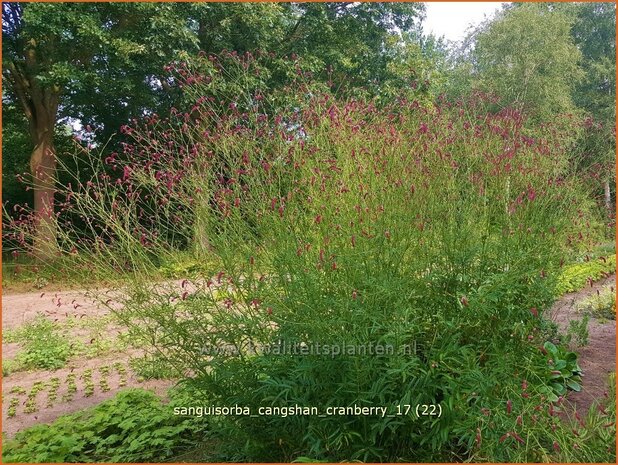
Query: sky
{"x": 451, "y": 19}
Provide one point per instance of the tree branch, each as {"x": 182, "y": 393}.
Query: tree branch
{"x": 20, "y": 86}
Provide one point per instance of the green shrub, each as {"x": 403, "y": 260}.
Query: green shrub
{"x": 134, "y": 426}
{"x": 356, "y": 248}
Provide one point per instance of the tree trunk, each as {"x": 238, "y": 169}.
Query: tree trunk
{"x": 40, "y": 105}
{"x": 608, "y": 197}
{"x": 43, "y": 170}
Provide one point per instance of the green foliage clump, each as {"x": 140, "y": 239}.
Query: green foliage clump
{"x": 576, "y": 276}
{"x": 44, "y": 343}
{"x": 563, "y": 371}
{"x": 134, "y": 426}
{"x": 43, "y": 346}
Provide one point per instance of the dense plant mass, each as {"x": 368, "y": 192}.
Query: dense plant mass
{"x": 340, "y": 236}
{"x": 131, "y": 427}
{"x": 576, "y": 275}
{"x": 433, "y": 230}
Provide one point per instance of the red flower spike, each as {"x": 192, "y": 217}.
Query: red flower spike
{"x": 543, "y": 351}
{"x": 509, "y": 406}
{"x": 517, "y": 437}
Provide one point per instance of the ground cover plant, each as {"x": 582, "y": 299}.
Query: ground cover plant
{"x": 133, "y": 426}
{"x": 328, "y": 222}
{"x": 574, "y": 276}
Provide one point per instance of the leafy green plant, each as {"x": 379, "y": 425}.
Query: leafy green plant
{"x": 12, "y": 409}
{"x": 52, "y": 391}
{"x": 10, "y": 366}
{"x": 563, "y": 371}
{"x": 121, "y": 369}
{"x": 86, "y": 377}
{"x": 17, "y": 390}
{"x": 43, "y": 346}
{"x": 31, "y": 406}
{"x": 134, "y": 426}
{"x": 71, "y": 384}
{"x": 578, "y": 331}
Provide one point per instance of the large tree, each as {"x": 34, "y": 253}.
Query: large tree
{"x": 80, "y": 60}
{"x": 527, "y": 56}
{"x": 594, "y": 32}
